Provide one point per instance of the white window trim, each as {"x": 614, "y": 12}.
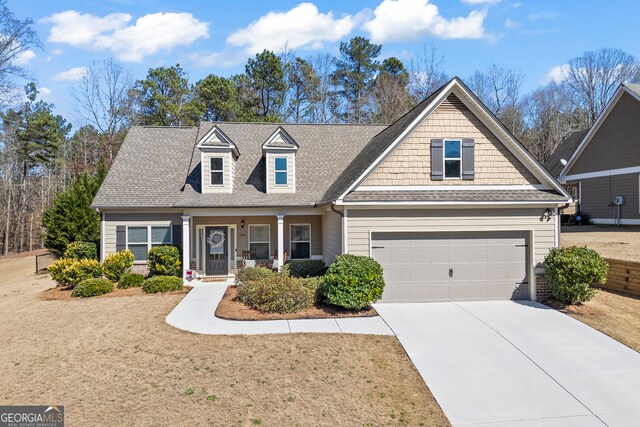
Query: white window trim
{"x": 211, "y": 170}
{"x": 250, "y": 241}
{"x": 149, "y": 242}
{"x": 445, "y": 158}
{"x": 299, "y": 241}
{"x": 286, "y": 171}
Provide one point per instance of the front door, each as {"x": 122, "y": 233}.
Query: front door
{"x": 217, "y": 254}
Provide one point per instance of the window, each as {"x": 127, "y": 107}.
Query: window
{"x": 217, "y": 172}
{"x": 141, "y": 239}
{"x": 281, "y": 170}
{"x": 259, "y": 240}
{"x": 300, "y": 241}
{"x": 452, "y": 158}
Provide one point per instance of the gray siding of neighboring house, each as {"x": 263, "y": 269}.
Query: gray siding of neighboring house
{"x": 331, "y": 236}
{"x": 362, "y": 222}
{"x": 598, "y": 193}
{"x": 616, "y": 144}
{"x": 112, "y": 220}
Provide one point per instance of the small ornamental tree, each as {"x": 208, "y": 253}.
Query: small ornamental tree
{"x": 571, "y": 272}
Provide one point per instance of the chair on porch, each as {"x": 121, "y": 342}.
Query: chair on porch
{"x": 275, "y": 263}
{"x": 248, "y": 259}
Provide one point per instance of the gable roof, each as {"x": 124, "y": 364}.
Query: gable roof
{"x": 215, "y": 138}
{"x": 631, "y": 89}
{"x": 280, "y": 139}
{"x": 383, "y": 144}
{"x": 564, "y": 151}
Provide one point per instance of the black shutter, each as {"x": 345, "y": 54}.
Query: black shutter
{"x": 468, "y": 146}
{"x": 121, "y": 238}
{"x": 176, "y": 233}
{"x": 437, "y": 156}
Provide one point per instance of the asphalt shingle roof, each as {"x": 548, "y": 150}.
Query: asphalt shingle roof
{"x": 564, "y": 151}
{"x": 455, "y": 196}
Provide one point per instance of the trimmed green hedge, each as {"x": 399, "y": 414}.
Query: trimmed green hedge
{"x": 162, "y": 284}
{"x": 164, "y": 261}
{"x": 250, "y": 274}
{"x": 277, "y": 292}
{"x": 571, "y": 272}
{"x": 353, "y": 282}
{"x": 131, "y": 280}
{"x": 117, "y": 264}
{"x": 81, "y": 250}
{"x": 307, "y": 267}
{"x": 92, "y": 287}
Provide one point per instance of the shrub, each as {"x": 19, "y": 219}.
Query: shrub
{"x": 251, "y": 274}
{"x": 316, "y": 285}
{"x": 353, "y": 282}
{"x": 279, "y": 293}
{"x": 117, "y": 264}
{"x": 81, "y": 250}
{"x": 571, "y": 272}
{"x": 57, "y": 269}
{"x": 92, "y": 287}
{"x": 130, "y": 280}
{"x": 307, "y": 267}
{"x": 164, "y": 261}
{"x": 162, "y": 284}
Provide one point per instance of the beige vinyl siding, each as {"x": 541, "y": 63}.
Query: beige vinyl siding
{"x": 598, "y": 193}
{"x": 291, "y": 172}
{"x": 112, "y": 220}
{"x": 226, "y": 167}
{"x": 410, "y": 163}
{"x": 331, "y": 236}
{"x": 361, "y": 222}
{"x": 616, "y": 144}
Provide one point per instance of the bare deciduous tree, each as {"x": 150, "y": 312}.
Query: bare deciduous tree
{"x": 426, "y": 72}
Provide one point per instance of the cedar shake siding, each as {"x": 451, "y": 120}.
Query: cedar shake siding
{"x": 409, "y": 164}
{"x": 616, "y": 144}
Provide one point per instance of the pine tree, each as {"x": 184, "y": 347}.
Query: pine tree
{"x": 70, "y": 218}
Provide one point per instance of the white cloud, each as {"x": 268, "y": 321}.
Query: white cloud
{"x": 557, "y": 74}
{"x": 57, "y": 52}
{"x": 44, "y": 92}
{"x": 149, "y": 34}
{"x": 509, "y": 23}
{"x": 516, "y": 5}
{"x": 24, "y": 57}
{"x": 410, "y": 19}
{"x": 75, "y": 73}
{"x": 302, "y": 26}
{"x": 481, "y": 1}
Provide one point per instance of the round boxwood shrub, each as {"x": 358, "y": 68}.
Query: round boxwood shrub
{"x": 571, "y": 272}
{"x": 130, "y": 280}
{"x": 162, "y": 284}
{"x": 307, "y": 267}
{"x": 81, "y": 250}
{"x": 276, "y": 293}
{"x": 117, "y": 264}
{"x": 92, "y": 287}
{"x": 251, "y": 274}
{"x": 164, "y": 261}
{"x": 353, "y": 282}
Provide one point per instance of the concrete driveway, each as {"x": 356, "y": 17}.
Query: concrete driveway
{"x": 518, "y": 364}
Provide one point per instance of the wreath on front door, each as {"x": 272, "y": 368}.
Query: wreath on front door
{"x": 216, "y": 239}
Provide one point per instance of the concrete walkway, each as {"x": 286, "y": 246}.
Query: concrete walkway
{"x": 195, "y": 313}
{"x": 518, "y": 364}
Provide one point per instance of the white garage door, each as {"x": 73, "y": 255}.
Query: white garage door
{"x": 459, "y": 266}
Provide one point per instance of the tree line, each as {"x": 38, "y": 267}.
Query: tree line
{"x": 41, "y": 154}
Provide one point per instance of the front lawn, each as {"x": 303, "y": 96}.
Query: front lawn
{"x": 614, "y": 314}
{"x": 116, "y": 360}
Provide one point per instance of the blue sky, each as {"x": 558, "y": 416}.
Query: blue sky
{"x": 217, "y": 37}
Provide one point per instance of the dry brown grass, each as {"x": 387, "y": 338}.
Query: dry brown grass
{"x": 62, "y": 293}
{"x": 608, "y": 240}
{"x": 114, "y": 361}
{"x": 616, "y": 315}
{"x": 233, "y": 309}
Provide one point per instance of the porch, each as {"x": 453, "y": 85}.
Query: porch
{"x": 215, "y": 245}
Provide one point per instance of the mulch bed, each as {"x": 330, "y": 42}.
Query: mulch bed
{"x": 63, "y": 293}
{"x": 232, "y": 309}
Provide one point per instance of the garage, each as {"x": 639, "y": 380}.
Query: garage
{"x": 452, "y": 266}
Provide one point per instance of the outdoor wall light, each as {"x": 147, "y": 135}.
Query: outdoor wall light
{"x": 242, "y": 223}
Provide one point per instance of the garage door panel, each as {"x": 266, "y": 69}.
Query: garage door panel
{"x": 485, "y": 265}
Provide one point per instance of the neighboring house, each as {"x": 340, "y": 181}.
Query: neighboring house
{"x": 445, "y": 198}
{"x": 605, "y": 167}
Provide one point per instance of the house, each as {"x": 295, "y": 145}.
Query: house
{"x": 605, "y": 167}
{"x": 445, "y": 198}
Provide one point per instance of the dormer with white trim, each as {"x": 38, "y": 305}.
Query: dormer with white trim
{"x": 218, "y": 155}
{"x": 279, "y": 151}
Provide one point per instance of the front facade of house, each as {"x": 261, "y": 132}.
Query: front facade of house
{"x": 449, "y": 203}
{"x": 605, "y": 167}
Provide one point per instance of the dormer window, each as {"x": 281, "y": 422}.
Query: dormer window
{"x": 217, "y": 170}
{"x": 281, "y": 170}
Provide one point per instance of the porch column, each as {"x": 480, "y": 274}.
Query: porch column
{"x": 280, "y": 240}
{"x": 186, "y": 245}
